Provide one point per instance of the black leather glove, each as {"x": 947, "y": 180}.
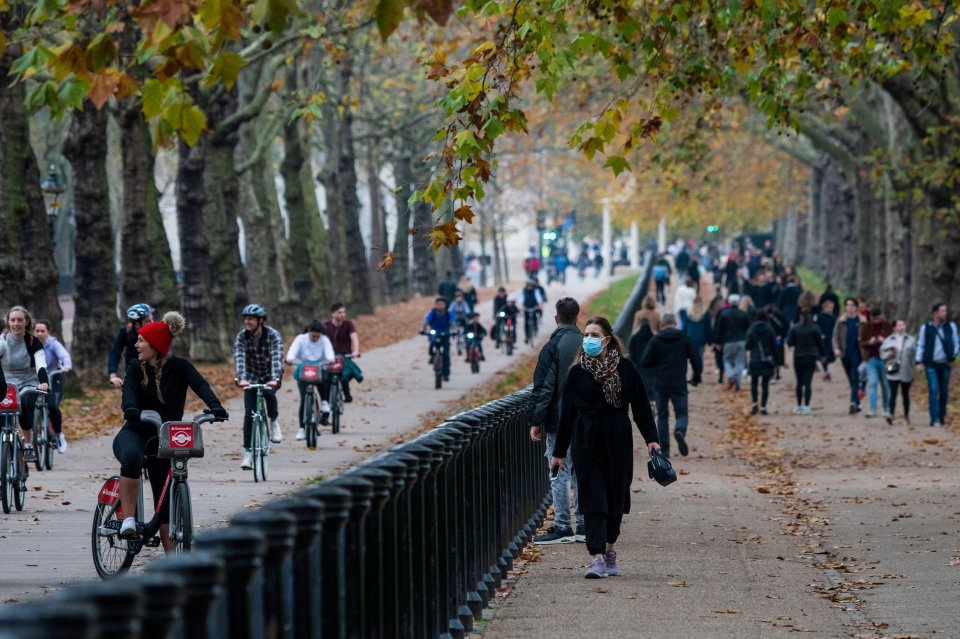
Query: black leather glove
{"x": 219, "y": 412}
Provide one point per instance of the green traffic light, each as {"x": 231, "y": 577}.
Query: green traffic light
{"x": 713, "y": 229}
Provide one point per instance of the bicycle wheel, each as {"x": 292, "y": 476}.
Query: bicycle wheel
{"x": 256, "y": 443}
{"x": 39, "y": 438}
{"x": 20, "y": 478}
{"x": 509, "y": 345}
{"x": 6, "y": 476}
{"x": 310, "y": 410}
{"x": 111, "y": 555}
{"x": 335, "y": 409}
{"x": 181, "y": 519}
{"x": 48, "y": 454}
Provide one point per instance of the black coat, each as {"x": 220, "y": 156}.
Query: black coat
{"x": 732, "y": 325}
{"x": 668, "y": 354}
{"x": 638, "y": 346}
{"x": 176, "y": 376}
{"x": 788, "y": 303}
{"x": 553, "y": 365}
{"x": 600, "y": 439}
{"x": 807, "y": 341}
{"x": 762, "y": 346}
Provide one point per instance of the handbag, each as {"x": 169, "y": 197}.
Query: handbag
{"x": 892, "y": 367}
{"x": 765, "y": 359}
{"x": 659, "y": 469}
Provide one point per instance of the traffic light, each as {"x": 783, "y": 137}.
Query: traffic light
{"x": 550, "y": 235}
{"x": 712, "y": 229}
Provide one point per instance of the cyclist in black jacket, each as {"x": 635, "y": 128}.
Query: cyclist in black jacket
{"x": 124, "y": 348}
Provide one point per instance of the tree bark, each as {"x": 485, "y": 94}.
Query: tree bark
{"x": 27, "y": 271}
{"x": 399, "y": 275}
{"x": 146, "y": 268}
{"x": 378, "y": 224}
{"x": 94, "y": 324}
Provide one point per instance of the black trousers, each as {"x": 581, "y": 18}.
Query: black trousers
{"x": 804, "y": 367}
{"x": 129, "y": 447}
{"x": 602, "y": 529}
{"x": 250, "y": 405}
{"x": 28, "y": 403}
{"x": 894, "y": 385}
{"x": 765, "y": 383}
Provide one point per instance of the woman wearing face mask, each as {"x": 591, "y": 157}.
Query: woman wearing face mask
{"x": 595, "y": 425}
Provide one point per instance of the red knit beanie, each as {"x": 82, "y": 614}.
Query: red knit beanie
{"x": 160, "y": 334}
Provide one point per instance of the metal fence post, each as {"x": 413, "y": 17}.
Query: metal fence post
{"x": 118, "y": 602}
{"x": 355, "y": 555}
{"x": 164, "y": 595}
{"x": 336, "y": 502}
{"x": 48, "y": 619}
{"x": 203, "y": 575}
{"x": 306, "y": 595}
{"x": 242, "y": 553}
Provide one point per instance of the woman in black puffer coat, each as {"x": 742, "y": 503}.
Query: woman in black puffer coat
{"x": 807, "y": 342}
{"x": 761, "y": 344}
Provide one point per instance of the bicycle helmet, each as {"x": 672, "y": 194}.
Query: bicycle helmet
{"x": 139, "y": 311}
{"x": 253, "y": 310}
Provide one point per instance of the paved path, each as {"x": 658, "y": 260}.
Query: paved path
{"x": 48, "y": 544}
{"x": 830, "y": 524}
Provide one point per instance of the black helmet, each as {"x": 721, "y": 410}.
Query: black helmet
{"x": 659, "y": 468}
{"x": 138, "y": 312}
{"x": 253, "y": 310}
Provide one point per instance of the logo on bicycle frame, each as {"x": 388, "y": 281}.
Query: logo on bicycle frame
{"x": 181, "y": 435}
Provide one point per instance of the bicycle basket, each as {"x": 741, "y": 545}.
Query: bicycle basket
{"x": 10, "y": 403}
{"x": 310, "y": 374}
{"x": 180, "y": 439}
{"x": 337, "y": 366}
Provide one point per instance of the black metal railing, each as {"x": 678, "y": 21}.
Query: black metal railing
{"x": 623, "y": 327}
{"x": 411, "y": 543}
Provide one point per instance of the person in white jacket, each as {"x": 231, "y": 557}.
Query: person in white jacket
{"x": 898, "y": 351}
{"x": 311, "y": 346}
{"x": 683, "y": 300}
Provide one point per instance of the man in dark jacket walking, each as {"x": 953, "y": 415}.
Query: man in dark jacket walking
{"x": 668, "y": 354}
{"x": 732, "y": 325}
{"x": 549, "y": 377}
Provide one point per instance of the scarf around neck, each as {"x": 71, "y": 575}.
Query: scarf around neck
{"x": 604, "y": 370}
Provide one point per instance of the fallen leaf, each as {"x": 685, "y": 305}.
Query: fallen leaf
{"x": 600, "y": 590}
{"x": 678, "y": 584}
{"x": 764, "y": 490}
{"x": 728, "y": 611}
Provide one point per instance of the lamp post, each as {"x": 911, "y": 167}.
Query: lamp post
{"x": 52, "y": 190}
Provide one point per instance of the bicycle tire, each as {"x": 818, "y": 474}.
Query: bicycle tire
{"x": 310, "y": 411}
{"x": 39, "y": 439}
{"x": 335, "y": 407}
{"x": 111, "y": 555}
{"x": 181, "y": 519}
{"x": 509, "y": 347}
{"x": 20, "y": 481}
{"x": 6, "y": 476}
{"x": 255, "y": 445}
{"x": 48, "y": 456}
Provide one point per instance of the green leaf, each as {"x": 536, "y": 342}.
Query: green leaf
{"x": 188, "y": 120}
{"x": 493, "y": 128}
{"x": 225, "y": 69}
{"x": 617, "y": 163}
{"x": 388, "y": 14}
{"x": 31, "y": 62}
{"x": 71, "y": 94}
{"x": 154, "y": 93}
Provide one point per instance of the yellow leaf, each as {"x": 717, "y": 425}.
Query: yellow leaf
{"x": 386, "y": 262}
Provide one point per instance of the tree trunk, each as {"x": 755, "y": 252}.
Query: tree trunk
{"x": 94, "y": 324}
{"x": 378, "y": 224}
{"x": 146, "y": 268}
{"x": 424, "y": 262}
{"x": 497, "y": 270}
{"x": 28, "y": 275}
{"x": 399, "y": 275}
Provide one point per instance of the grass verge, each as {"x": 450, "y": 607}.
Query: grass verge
{"x": 609, "y": 302}
{"x": 813, "y": 282}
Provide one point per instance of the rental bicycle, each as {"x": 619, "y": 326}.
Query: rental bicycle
{"x": 311, "y": 374}
{"x": 438, "y": 343}
{"x": 13, "y": 468}
{"x": 178, "y": 441}
{"x": 335, "y": 372}
{"x": 259, "y": 439}
{"x": 530, "y": 325}
{"x": 506, "y": 333}
{"x": 43, "y": 435}
{"x": 473, "y": 352}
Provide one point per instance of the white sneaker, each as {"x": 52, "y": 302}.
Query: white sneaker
{"x": 275, "y": 435}
{"x": 128, "y": 529}
{"x": 798, "y": 410}
{"x": 807, "y": 410}
{"x": 61, "y": 444}
{"x": 301, "y": 434}
{"x": 247, "y": 462}
{"x": 324, "y": 407}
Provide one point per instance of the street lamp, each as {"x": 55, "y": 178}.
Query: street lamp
{"x": 52, "y": 190}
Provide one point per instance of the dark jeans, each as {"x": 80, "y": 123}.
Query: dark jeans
{"x": 765, "y": 383}
{"x": 54, "y": 397}
{"x": 850, "y": 366}
{"x": 130, "y": 446}
{"x": 718, "y": 358}
{"x": 250, "y": 405}
{"x": 679, "y": 400}
{"x": 444, "y": 345}
{"x": 938, "y": 383}
{"x": 661, "y": 297}
{"x": 804, "y": 367}
{"x": 894, "y": 385}
{"x": 602, "y": 529}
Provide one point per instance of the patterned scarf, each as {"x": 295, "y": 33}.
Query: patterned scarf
{"x": 604, "y": 370}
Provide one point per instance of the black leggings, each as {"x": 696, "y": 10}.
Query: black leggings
{"x": 130, "y": 446}
{"x": 894, "y": 384}
{"x": 28, "y": 402}
{"x": 250, "y": 405}
{"x": 602, "y": 529}
{"x": 804, "y": 367}
{"x": 765, "y": 379}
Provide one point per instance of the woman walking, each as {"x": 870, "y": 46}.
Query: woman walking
{"x": 898, "y": 351}
{"x": 808, "y": 347}
{"x": 827, "y": 320}
{"x": 697, "y": 326}
{"x": 713, "y": 311}
{"x": 638, "y": 346}
{"x": 761, "y": 344}
{"x": 595, "y": 426}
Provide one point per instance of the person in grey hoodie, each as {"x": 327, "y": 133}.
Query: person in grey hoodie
{"x": 553, "y": 364}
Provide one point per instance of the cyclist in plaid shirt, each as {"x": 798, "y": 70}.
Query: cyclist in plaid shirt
{"x": 258, "y": 358}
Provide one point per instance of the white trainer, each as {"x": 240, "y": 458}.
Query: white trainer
{"x": 128, "y": 529}
{"x": 247, "y": 462}
{"x": 324, "y": 407}
{"x": 61, "y": 444}
{"x": 275, "y": 435}
{"x": 301, "y": 434}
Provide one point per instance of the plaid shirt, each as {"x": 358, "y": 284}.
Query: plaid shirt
{"x": 258, "y": 359}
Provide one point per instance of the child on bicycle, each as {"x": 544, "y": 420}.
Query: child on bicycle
{"x": 311, "y": 347}
{"x": 156, "y": 381}
{"x": 443, "y": 322}
{"x": 479, "y": 332}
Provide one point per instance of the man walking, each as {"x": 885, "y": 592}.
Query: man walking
{"x": 732, "y": 326}
{"x": 549, "y": 377}
{"x": 668, "y": 354}
{"x": 846, "y": 346}
{"x": 936, "y": 350}
{"x": 872, "y": 334}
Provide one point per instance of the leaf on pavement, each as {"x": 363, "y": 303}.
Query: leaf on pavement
{"x": 600, "y": 590}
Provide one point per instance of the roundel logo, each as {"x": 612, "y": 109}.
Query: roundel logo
{"x": 181, "y": 436}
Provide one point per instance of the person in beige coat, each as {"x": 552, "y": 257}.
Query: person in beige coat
{"x": 898, "y": 351}
{"x": 649, "y": 311}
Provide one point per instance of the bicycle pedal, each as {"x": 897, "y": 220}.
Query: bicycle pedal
{"x": 153, "y": 542}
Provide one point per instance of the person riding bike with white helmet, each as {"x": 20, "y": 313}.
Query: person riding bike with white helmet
{"x": 258, "y": 359}
{"x": 124, "y": 348}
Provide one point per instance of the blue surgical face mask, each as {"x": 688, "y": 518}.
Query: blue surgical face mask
{"x": 592, "y": 346}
